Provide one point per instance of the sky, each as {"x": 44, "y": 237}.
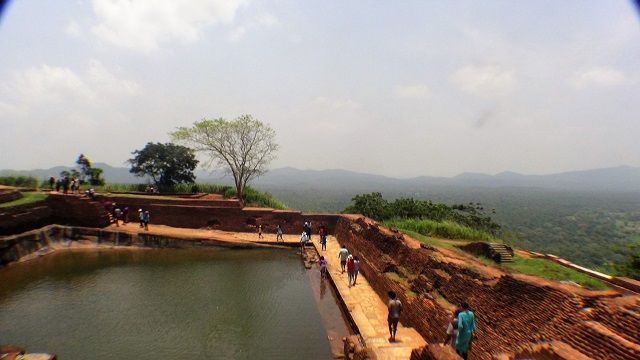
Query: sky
{"x": 394, "y": 88}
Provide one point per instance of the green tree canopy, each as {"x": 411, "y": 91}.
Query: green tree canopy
{"x": 244, "y": 147}
{"x": 630, "y": 264}
{"x": 167, "y": 164}
{"x": 88, "y": 172}
{"x": 373, "y": 205}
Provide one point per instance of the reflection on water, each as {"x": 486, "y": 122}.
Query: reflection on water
{"x": 165, "y": 304}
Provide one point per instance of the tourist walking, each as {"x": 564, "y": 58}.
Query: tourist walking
{"x": 356, "y": 269}
{"x": 117, "y": 214}
{"x": 141, "y": 216}
{"x": 395, "y": 308}
{"x": 147, "y": 217}
{"x": 279, "y": 233}
{"x": 323, "y": 267}
{"x": 323, "y": 237}
{"x": 260, "y": 232}
{"x": 452, "y": 330}
{"x": 466, "y": 329}
{"x": 350, "y": 269}
{"x": 303, "y": 242}
{"x": 65, "y": 184}
{"x": 307, "y": 229}
{"x": 342, "y": 255}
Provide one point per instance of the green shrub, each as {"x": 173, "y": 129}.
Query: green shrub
{"x": 471, "y": 215}
{"x": 19, "y": 181}
{"x": 257, "y": 198}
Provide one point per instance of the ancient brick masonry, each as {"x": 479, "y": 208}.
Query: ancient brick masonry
{"x": 21, "y": 218}
{"x": 510, "y": 311}
{"x": 220, "y": 214}
{"x": 10, "y": 194}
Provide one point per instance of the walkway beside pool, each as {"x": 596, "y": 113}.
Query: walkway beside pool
{"x": 368, "y": 311}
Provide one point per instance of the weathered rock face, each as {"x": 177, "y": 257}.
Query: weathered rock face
{"x": 9, "y": 194}
{"x": 22, "y": 218}
{"x": 510, "y": 311}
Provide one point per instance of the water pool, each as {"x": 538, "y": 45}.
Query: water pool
{"x": 165, "y": 304}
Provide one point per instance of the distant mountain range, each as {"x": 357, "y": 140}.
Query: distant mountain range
{"x": 615, "y": 179}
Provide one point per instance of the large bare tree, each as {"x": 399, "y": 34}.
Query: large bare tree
{"x": 244, "y": 147}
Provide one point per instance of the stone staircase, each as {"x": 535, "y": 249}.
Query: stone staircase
{"x": 501, "y": 252}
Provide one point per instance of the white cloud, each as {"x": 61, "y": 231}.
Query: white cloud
{"x": 335, "y": 104}
{"x": 599, "y": 76}
{"x": 485, "y": 81}
{"x": 267, "y": 20}
{"x": 49, "y": 84}
{"x": 237, "y": 34}
{"x": 73, "y": 29}
{"x": 264, "y": 20}
{"x": 417, "y": 91}
{"x": 145, "y": 24}
{"x": 101, "y": 78}
{"x": 45, "y": 85}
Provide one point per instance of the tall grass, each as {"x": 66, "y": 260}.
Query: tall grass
{"x": 441, "y": 229}
{"x": 253, "y": 197}
{"x": 175, "y": 189}
{"x": 19, "y": 181}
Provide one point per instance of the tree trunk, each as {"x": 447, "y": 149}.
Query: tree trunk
{"x": 239, "y": 194}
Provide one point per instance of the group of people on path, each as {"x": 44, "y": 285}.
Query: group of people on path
{"x": 306, "y": 236}
{"x": 460, "y": 330}
{"x": 66, "y": 184}
{"x": 350, "y": 263}
{"x": 122, "y": 214}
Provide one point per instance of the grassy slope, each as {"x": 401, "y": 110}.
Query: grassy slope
{"x": 552, "y": 271}
{"x": 536, "y": 267}
{"x": 27, "y": 198}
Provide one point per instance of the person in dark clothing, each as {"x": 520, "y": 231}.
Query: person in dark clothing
{"x": 141, "y": 216}
{"x": 65, "y": 184}
{"x": 52, "y": 182}
{"x": 323, "y": 237}
{"x": 125, "y": 215}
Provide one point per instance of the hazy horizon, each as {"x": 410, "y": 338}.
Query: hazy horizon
{"x": 401, "y": 90}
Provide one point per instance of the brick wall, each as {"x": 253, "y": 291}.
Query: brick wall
{"x": 510, "y": 311}
{"x": 22, "y": 218}
{"x": 7, "y": 195}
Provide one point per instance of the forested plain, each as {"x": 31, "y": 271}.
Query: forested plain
{"x": 588, "y": 228}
